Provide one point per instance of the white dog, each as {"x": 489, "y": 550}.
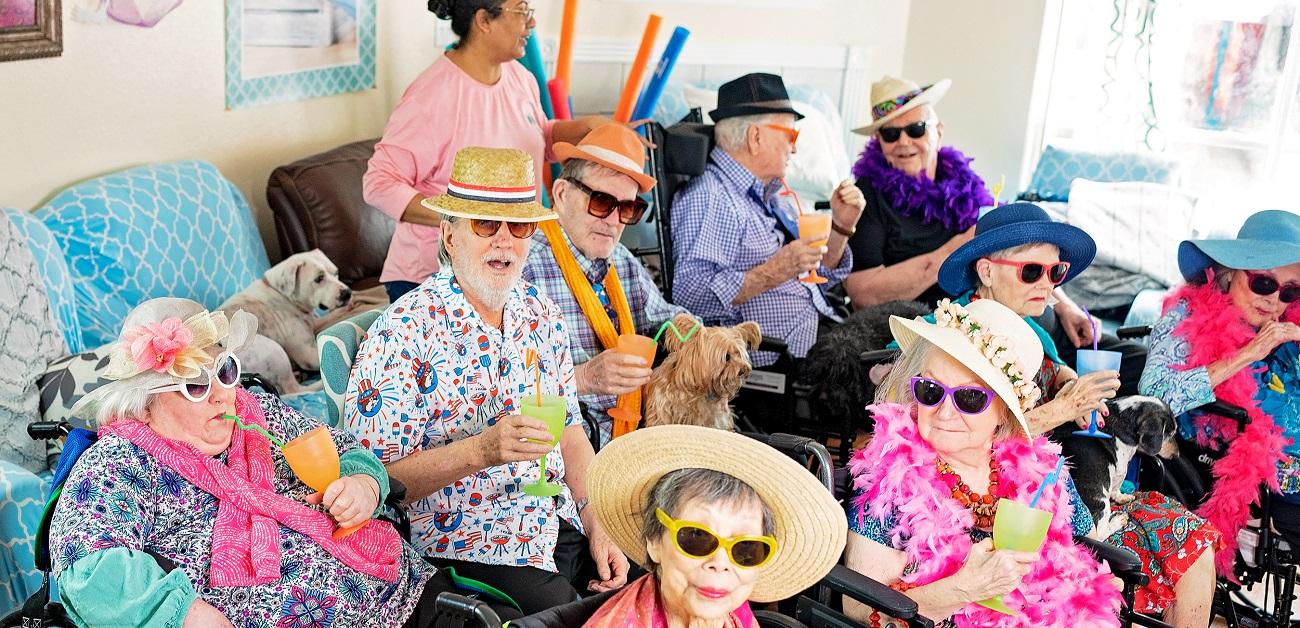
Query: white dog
{"x": 285, "y": 301}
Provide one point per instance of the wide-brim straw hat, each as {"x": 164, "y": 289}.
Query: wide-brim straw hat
{"x": 491, "y": 184}
{"x": 892, "y": 97}
{"x": 614, "y": 146}
{"x": 810, "y": 524}
{"x": 1268, "y": 239}
{"x": 996, "y": 319}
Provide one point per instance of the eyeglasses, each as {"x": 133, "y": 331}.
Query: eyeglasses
{"x": 967, "y": 399}
{"x": 1031, "y": 272}
{"x": 915, "y": 130}
{"x": 1265, "y": 284}
{"x": 528, "y": 12}
{"x": 601, "y": 204}
{"x": 489, "y": 228}
{"x": 793, "y": 134}
{"x": 698, "y": 541}
{"x": 226, "y": 375}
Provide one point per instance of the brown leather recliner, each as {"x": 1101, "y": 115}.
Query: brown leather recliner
{"x": 318, "y": 204}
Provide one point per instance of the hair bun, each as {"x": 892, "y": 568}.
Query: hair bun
{"x": 442, "y": 8}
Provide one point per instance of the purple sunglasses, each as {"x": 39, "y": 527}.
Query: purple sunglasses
{"x": 967, "y": 399}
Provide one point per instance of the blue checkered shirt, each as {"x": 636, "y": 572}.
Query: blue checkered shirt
{"x": 723, "y": 225}
{"x": 649, "y": 308}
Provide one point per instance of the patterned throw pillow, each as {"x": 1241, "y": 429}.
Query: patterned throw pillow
{"x": 1059, "y": 167}
{"x": 65, "y": 382}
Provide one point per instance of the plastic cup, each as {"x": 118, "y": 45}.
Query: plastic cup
{"x": 552, "y": 412}
{"x": 315, "y": 460}
{"x": 1091, "y": 361}
{"x": 626, "y": 419}
{"x": 815, "y": 226}
{"x": 1019, "y": 528}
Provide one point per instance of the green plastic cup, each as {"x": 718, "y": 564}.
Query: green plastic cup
{"x": 1019, "y": 528}
{"x": 552, "y": 412}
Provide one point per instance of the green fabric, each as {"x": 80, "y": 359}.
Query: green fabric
{"x": 337, "y": 347}
{"x": 123, "y": 587}
{"x": 360, "y": 461}
{"x": 1049, "y": 347}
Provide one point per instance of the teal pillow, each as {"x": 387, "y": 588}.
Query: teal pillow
{"x": 1059, "y": 167}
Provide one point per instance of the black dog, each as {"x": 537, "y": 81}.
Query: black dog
{"x": 1099, "y": 465}
{"x": 832, "y": 368}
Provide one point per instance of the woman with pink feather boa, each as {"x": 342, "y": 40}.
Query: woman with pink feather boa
{"x": 951, "y": 439}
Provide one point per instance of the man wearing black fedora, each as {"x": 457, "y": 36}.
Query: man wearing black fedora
{"x": 739, "y": 255}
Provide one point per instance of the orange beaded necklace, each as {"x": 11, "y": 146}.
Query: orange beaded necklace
{"x": 984, "y": 507}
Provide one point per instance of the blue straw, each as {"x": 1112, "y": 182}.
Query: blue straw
{"x": 1049, "y": 480}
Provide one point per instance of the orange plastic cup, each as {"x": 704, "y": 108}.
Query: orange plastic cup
{"x": 815, "y": 226}
{"x": 315, "y": 460}
{"x": 626, "y": 419}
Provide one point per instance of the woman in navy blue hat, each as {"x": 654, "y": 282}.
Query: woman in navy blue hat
{"x": 1019, "y": 257}
{"x": 1231, "y": 335}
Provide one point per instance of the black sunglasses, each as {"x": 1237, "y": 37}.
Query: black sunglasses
{"x": 601, "y": 205}
{"x": 915, "y": 130}
{"x": 1265, "y": 284}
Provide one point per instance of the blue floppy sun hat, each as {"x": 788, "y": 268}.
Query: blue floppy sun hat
{"x": 1268, "y": 239}
{"x": 1011, "y": 226}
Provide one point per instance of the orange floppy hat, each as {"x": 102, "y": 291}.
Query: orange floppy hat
{"x": 614, "y": 146}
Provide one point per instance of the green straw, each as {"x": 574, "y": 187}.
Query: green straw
{"x": 230, "y": 417}
{"x": 670, "y": 325}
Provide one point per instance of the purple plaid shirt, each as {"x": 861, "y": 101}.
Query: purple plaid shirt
{"x": 649, "y": 309}
{"x": 723, "y": 225}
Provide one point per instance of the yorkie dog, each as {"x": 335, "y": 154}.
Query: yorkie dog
{"x": 697, "y": 381}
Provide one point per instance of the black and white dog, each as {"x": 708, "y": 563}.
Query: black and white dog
{"x": 1099, "y": 465}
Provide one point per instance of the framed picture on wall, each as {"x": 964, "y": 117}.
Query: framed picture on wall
{"x": 30, "y": 29}
{"x": 285, "y": 50}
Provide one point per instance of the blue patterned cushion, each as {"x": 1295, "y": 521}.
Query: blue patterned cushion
{"x": 178, "y": 229}
{"x": 1059, "y": 167}
{"x": 338, "y": 346}
{"x": 54, "y": 273}
{"x": 22, "y": 501}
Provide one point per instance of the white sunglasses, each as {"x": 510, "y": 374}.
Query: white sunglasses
{"x": 197, "y": 389}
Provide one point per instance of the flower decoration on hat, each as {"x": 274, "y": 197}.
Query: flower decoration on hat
{"x": 171, "y": 346}
{"x": 998, "y": 350}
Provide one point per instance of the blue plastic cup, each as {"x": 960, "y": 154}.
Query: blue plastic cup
{"x": 1091, "y": 361}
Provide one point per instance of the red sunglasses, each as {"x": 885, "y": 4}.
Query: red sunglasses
{"x": 1265, "y": 284}
{"x": 1031, "y": 272}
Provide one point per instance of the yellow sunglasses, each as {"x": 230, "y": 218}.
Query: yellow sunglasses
{"x": 698, "y": 541}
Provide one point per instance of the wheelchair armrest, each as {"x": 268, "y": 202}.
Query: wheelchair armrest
{"x": 852, "y": 584}
{"x": 1123, "y": 562}
{"x": 769, "y": 619}
{"x": 461, "y": 607}
{"x": 48, "y": 430}
{"x": 251, "y": 380}
{"x": 1227, "y": 411}
{"x": 775, "y": 345}
{"x": 1135, "y": 331}
{"x": 394, "y": 512}
{"x": 878, "y": 356}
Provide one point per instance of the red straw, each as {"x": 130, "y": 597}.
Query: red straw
{"x": 531, "y": 359}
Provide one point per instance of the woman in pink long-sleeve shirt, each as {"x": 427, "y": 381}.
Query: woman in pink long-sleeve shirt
{"x": 475, "y": 95}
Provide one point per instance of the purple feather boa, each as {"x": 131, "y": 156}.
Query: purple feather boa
{"x": 953, "y": 200}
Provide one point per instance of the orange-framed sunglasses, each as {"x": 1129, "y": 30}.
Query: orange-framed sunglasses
{"x": 793, "y": 134}
{"x": 696, "y": 540}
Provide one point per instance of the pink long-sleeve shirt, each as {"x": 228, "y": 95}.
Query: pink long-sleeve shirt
{"x": 442, "y": 111}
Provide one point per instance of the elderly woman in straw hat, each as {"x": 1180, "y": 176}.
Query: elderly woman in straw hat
{"x": 717, "y": 519}
{"x": 437, "y": 391}
{"x": 1232, "y": 334}
{"x": 951, "y": 446}
{"x": 172, "y": 481}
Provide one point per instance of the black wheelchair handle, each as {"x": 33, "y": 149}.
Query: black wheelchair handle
{"x": 1227, "y": 411}
{"x": 878, "y": 356}
{"x": 1135, "y": 331}
{"x": 822, "y": 205}
{"x": 48, "y": 430}
{"x": 464, "y": 607}
{"x": 775, "y": 345}
{"x": 843, "y": 580}
{"x": 1123, "y": 562}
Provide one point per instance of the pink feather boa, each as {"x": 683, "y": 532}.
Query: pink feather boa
{"x": 896, "y": 475}
{"x": 1215, "y": 329}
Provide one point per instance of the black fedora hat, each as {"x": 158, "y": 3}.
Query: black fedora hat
{"x": 752, "y": 95}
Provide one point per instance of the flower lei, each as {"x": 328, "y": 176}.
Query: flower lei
{"x": 995, "y": 348}
{"x": 171, "y": 346}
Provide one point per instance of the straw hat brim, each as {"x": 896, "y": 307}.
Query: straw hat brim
{"x": 531, "y": 211}
{"x": 810, "y": 524}
{"x": 955, "y": 343}
{"x": 565, "y": 151}
{"x": 932, "y": 95}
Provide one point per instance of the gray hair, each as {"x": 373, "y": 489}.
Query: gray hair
{"x": 125, "y": 402}
{"x": 897, "y": 386}
{"x": 579, "y": 168}
{"x": 680, "y": 487}
{"x": 1222, "y": 277}
{"x": 732, "y": 134}
{"x": 444, "y": 258}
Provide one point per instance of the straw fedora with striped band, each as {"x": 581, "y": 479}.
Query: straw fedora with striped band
{"x": 491, "y": 184}
{"x": 810, "y": 524}
{"x": 892, "y": 97}
{"x": 614, "y": 146}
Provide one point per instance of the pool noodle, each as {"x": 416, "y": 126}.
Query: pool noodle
{"x": 533, "y": 62}
{"x": 633, "y": 85}
{"x": 645, "y": 107}
{"x": 564, "y": 61}
{"x": 559, "y": 99}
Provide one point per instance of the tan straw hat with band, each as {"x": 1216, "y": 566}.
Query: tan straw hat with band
{"x": 491, "y": 184}
{"x": 892, "y": 97}
{"x": 810, "y": 524}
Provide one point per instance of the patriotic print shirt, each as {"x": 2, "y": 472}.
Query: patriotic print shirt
{"x": 431, "y": 372}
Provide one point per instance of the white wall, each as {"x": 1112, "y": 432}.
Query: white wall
{"x": 990, "y": 48}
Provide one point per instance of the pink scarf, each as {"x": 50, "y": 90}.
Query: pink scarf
{"x": 896, "y": 473}
{"x": 1216, "y": 329}
{"x": 638, "y": 606}
{"x": 246, "y": 534}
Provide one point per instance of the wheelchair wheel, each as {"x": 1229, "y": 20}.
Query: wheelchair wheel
{"x": 50, "y": 616}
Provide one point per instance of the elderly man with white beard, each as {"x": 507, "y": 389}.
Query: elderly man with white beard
{"x": 438, "y": 384}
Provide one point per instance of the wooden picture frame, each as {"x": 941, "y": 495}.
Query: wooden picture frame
{"x": 43, "y": 39}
